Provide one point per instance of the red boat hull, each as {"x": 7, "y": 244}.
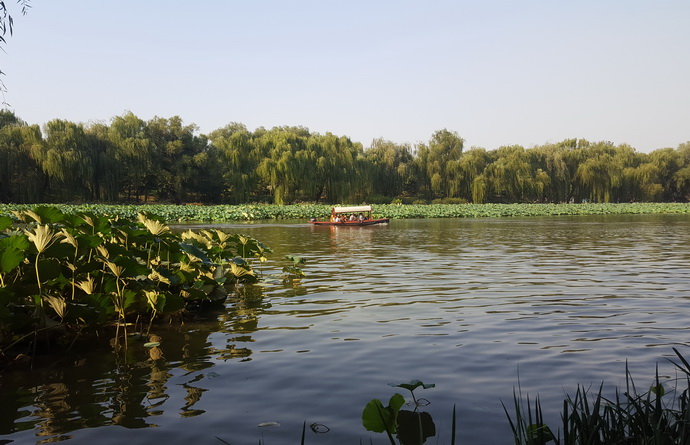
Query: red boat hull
{"x": 366, "y": 222}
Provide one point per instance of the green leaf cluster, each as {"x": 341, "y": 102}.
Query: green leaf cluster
{"x": 166, "y": 160}
{"x": 88, "y": 269}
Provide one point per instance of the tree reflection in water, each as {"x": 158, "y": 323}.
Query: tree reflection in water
{"x": 99, "y": 386}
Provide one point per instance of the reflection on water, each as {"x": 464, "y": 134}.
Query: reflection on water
{"x": 466, "y": 304}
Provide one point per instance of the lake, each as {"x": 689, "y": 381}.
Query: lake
{"x": 475, "y": 306}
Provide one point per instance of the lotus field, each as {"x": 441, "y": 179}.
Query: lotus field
{"x": 225, "y": 213}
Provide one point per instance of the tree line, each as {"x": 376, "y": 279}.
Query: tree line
{"x": 166, "y": 160}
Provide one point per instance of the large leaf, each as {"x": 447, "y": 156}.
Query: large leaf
{"x": 91, "y": 241}
{"x": 131, "y": 298}
{"x": 59, "y": 250}
{"x": 5, "y": 222}
{"x": 131, "y": 268}
{"x": 154, "y": 226}
{"x": 42, "y": 236}
{"x": 10, "y": 258}
{"x": 16, "y": 240}
{"x": 98, "y": 308}
{"x": 242, "y": 274}
{"x": 160, "y": 302}
{"x": 48, "y": 214}
{"x": 378, "y": 418}
{"x": 58, "y": 304}
{"x": 195, "y": 252}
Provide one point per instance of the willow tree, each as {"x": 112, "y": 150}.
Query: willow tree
{"x": 479, "y": 189}
{"x": 510, "y": 177}
{"x": 681, "y": 177}
{"x": 279, "y": 167}
{"x": 554, "y": 163}
{"x": 642, "y": 183}
{"x": 390, "y": 167}
{"x": 436, "y": 164}
{"x": 339, "y": 165}
{"x": 445, "y": 148}
{"x": 666, "y": 162}
{"x": 238, "y": 160}
{"x": 21, "y": 177}
{"x": 470, "y": 167}
{"x": 105, "y": 183}
{"x": 133, "y": 156}
{"x": 174, "y": 146}
{"x": 600, "y": 175}
{"x": 68, "y": 160}
{"x": 205, "y": 184}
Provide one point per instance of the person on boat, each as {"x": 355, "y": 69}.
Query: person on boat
{"x": 360, "y": 218}
{"x": 337, "y": 219}
{"x": 352, "y": 217}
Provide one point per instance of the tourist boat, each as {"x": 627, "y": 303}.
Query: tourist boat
{"x": 345, "y": 212}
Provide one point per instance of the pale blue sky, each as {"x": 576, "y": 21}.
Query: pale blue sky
{"x": 497, "y": 72}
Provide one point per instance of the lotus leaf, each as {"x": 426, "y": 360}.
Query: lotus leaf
{"x": 5, "y": 222}
{"x": 413, "y": 384}
{"x": 378, "y": 418}
{"x": 10, "y": 258}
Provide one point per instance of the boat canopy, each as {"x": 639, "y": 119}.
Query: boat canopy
{"x": 351, "y": 209}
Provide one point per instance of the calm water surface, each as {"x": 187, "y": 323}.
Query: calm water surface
{"x": 470, "y": 305}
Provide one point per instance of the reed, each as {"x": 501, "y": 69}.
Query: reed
{"x": 631, "y": 417}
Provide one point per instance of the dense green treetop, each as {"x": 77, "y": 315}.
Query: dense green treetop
{"x": 167, "y": 160}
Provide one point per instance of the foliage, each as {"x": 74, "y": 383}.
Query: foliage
{"x": 627, "y": 418}
{"x": 85, "y": 269}
{"x": 410, "y": 427}
{"x": 166, "y": 160}
{"x": 223, "y": 213}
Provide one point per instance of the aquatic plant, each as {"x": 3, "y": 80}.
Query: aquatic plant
{"x": 62, "y": 272}
{"x": 410, "y": 427}
{"x": 252, "y": 212}
{"x": 627, "y": 418}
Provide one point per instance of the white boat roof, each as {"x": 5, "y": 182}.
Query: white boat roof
{"x": 352, "y": 209}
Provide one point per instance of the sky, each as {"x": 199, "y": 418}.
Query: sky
{"x": 527, "y": 72}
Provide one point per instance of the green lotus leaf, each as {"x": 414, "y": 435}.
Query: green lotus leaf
{"x": 195, "y": 252}
{"x": 18, "y": 241}
{"x": 131, "y": 298}
{"x": 377, "y": 418}
{"x": 46, "y": 214}
{"x": 130, "y": 267}
{"x": 5, "y": 222}
{"x": 413, "y": 384}
{"x": 10, "y": 258}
